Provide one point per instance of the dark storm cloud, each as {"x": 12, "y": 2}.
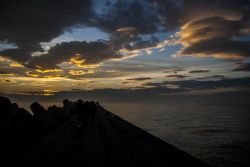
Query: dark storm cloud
{"x": 126, "y": 20}
{"x": 20, "y": 55}
{"x": 175, "y": 13}
{"x": 86, "y": 53}
{"x": 199, "y": 71}
{"x": 139, "y": 79}
{"x": 139, "y": 15}
{"x": 242, "y": 67}
{"x": 27, "y": 23}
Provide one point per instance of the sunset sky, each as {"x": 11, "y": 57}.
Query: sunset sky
{"x": 166, "y": 46}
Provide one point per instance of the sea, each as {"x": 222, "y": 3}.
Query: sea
{"x": 214, "y": 129}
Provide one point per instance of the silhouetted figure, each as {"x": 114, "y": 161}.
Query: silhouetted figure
{"x": 38, "y": 110}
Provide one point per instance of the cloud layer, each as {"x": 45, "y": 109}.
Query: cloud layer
{"x": 204, "y": 28}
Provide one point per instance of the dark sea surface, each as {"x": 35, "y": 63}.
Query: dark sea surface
{"x": 214, "y": 128}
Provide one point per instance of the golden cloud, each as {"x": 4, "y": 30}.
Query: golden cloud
{"x": 46, "y": 93}
{"x": 213, "y": 37}
{"x": 131, "y": 31}
{"x": 7, "y": 81}
{"x": 47, "y": 70}
{"x": 7, "y": 74}
{"x": 55, "y": 76}
{"x": 16, "y": 65}
{"x": 79, "y": 62}
{"x": 32, "y": 74}
{"x": 80, "y": 72}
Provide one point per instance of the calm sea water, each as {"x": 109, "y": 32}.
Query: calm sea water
{"x": 215, "y": 129}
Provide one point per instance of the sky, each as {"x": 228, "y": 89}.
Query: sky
{"x": 124, "y": 46}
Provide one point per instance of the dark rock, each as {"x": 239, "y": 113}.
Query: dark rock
{"x": 38, "y": 110}
{"x": 6, "y": 108}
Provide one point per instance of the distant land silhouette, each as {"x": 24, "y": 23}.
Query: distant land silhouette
{"x": 82, "y": 133}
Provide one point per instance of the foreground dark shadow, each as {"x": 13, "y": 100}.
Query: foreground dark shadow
{"x": 81, "y": 133}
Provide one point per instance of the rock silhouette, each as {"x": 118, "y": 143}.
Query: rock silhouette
{"x": 83, "y": 133}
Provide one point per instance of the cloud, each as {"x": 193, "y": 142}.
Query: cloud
{"x": 20, "y": 55}
{"x": 153, "y": 84}
{"x": 27, "y": 24}
{"x": 47, "y": 71}
{"x": 128, "y": 16}
{"x": 216, "y": 77}
{"x": 215, "y": 37}
{"x": 123, "y": 83}
{"x": 55, "y": 76}
{"x": 174, "y": 14}
{"x": 3, "y": 73}
{"x": 80, "y": 72}
{"x": 173, "y": 70}
{"x": 242, "y": 67}
{"x": 199, "y": 71}
{"x": 127, "y": 22}
{"x": 32, "y": 74}
{"x": 223, "y": 83}
{"x": 189, "y": 85}
{"x": 77, "y": 53}
{"x": 139, "y": 79}
{"x": 208, "y": 28}
{"x": 7, "y": 81}
{"x": 46, "y": 92}
{"x": 17, "y": 65}
{"x": 177, "y": 76}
